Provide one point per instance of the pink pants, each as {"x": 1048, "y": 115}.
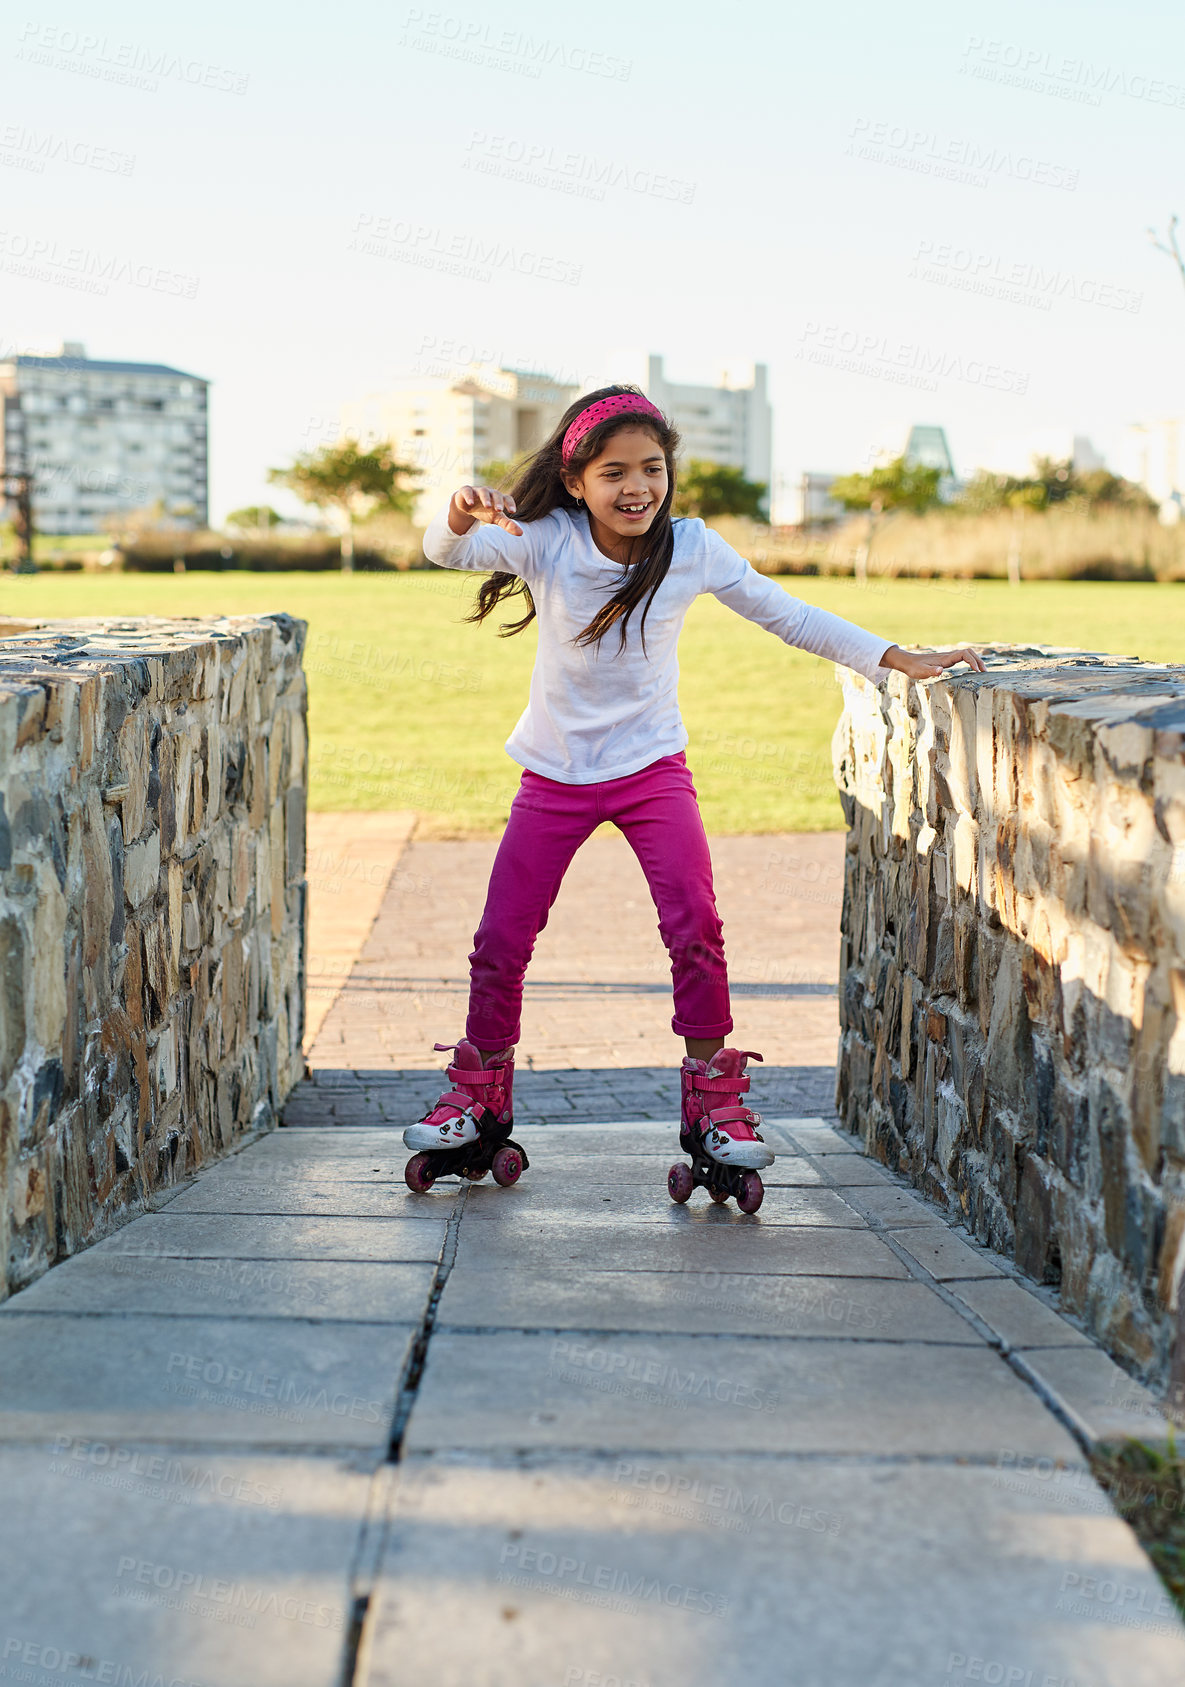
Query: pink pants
{"x": 657, "y": 810}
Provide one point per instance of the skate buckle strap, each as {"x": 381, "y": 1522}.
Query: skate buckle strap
{"x": 719, "y": 1086}
{"x": 480, "y": 1077}
{"x": 733, "y": 1115}
{"x": 456, "y": 1099}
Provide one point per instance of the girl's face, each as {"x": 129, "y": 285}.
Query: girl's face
{"x": 623, "y": 487}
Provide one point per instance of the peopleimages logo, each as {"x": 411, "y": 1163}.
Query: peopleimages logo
{"x": 21, "y": 1655}
{"x": 129, "y": 63}
{"x": 952, "y": 157}
{"x": 155, "y": 1583}
{"x": 455, "y": 252}
{"x": 881, "y": 357}
{"x": 1061, "y": 74}
{"x": 1014, "y": 280}
{"x": 576, "y": 1578}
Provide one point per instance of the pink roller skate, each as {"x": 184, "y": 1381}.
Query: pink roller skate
{"x": 467, "y": 1132}
{"x": 719, "y": 1133}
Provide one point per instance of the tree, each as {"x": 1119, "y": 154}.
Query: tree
{"x": 709, "y": 489}
{"x": 352, "y": 482}
{"x": 896, "y": 485}
{"x": 500, "y": 471}
{"x": 892, "y": 486}
{"x": 1170, "y": 246}
{"x": 1052, "y": 481}
{"x": 254, "y": 518}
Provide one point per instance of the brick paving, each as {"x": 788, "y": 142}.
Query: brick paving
{"x": 596, "y": 1040}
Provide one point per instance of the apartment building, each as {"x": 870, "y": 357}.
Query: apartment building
{"x": 102, "y": 438}
{"x": 731, "y": 423}
{"x": 1153, "y": 455}
{"x": 450, "y": 428}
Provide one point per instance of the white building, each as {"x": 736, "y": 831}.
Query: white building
{"x": 1153, "y": 455}
{"x": 1015, "y": 455}
{"x": 104, "y": 438}
{"x": 449, "y": 429}
{"x": 729, "y": 424}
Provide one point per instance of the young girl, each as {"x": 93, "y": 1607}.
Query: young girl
{"x": 588, "y": 540}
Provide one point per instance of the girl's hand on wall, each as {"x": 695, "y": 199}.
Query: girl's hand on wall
{"x": 930, "y": 664}
{"x": 482, "y": 503}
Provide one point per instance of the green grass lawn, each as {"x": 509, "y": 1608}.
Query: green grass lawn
{"x": 409, "y": 707}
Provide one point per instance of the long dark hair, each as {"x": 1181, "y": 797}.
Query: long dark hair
{"x": 538, "y": 488}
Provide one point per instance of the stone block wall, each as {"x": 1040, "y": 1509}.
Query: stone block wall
{"x": 1012, "y": 972}
{"x": 152, "y": 911}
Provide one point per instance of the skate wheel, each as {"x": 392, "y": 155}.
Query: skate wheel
{"x": 719, "y": 1196}
{"x": 417, "y": 1175}
{"x": 507, "y": 1166}
{"x": 752, "y": 1192}
{"x": 474, "y": 1175}
{"x": 680, "y": 1183}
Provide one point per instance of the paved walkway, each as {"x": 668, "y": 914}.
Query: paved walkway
{"x": 299, "y": 1428}
{"x": 597, "y": 1040}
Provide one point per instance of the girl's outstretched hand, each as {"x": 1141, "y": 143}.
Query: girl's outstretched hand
{"x": 482, "y": 503}
{"x": 930, "y": 664}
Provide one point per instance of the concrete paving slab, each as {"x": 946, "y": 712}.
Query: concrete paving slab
{"x": 332, "y": 1200}
{"x": 575, "y": 1142}
{"x": 945, "y": 1254}
{"x": 173, "y": 1235}
{"x": 1017, "y": 1316}
{"x": 892, "y": 1207}
{"x": 361, "y": 1292}
{"x": 219, "y": 1380}
{"x": 643, "y": 1202}
{"x": 649, "y": 1171}
{"x": 1110, "y": 1405}
{"x": 558, "y": 1171}
{"x": 232, "y": 1571}
{"x": 826, "y": 1143}
{"x": 651, "y": 1203}
{"x": 855, "y": 1170}
{"x": 711, "y": 1301}
{"x": 339, "y": 1142}
{"x": 772, "y": 1572}
{"x": 815, "y": 1137}
{"x": 645, "y": 1393}
{"x": 712, "y": 1241}
{"x": 290, "y": 1170}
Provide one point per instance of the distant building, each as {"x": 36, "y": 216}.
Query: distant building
{"x": 1153, "y": 455}
{"x": 926, "y": 448}
{"x": 1016, "y": 455}
{"x": 817, "y": 504}
{"x": 728, "y": 424}
{"x": 449, "y": 428}
{"x": 104, "y": 438}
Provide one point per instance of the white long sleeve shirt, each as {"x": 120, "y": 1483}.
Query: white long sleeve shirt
{"x": 596, "y": 712}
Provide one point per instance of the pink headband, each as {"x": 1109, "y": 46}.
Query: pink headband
{"x": 621, "y": 404}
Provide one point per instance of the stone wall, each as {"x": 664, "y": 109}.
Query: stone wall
{"x": 152, "y": 910}
{"x": 1013, "y": 967}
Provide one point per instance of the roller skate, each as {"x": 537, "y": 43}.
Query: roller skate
{"x": 467, "y": 1133}
{"x": 719, "y": 1133}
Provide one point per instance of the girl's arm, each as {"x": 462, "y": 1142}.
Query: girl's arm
{"x": 757, "y": 597}
{"x": 477, "y": 530}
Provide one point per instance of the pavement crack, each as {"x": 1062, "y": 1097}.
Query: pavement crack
{"x": 372, "y": 1538}
{"x": 358, "y": 1614}
{"x": 417, "y": 1358}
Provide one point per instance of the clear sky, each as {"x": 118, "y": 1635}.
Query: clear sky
{"x": 927, "y": 214}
